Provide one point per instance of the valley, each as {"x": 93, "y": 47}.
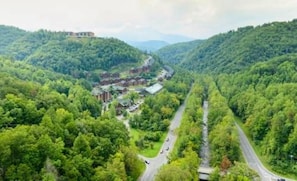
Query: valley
{"x": 63, "y": 100}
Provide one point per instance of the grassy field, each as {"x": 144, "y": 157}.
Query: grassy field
{"x": 149, "y": 152}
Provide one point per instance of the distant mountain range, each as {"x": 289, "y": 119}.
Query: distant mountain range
{"x": 149, "y": 46}
{"x": 149, "y": 34}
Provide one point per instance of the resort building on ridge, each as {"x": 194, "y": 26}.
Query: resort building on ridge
{"x": 80, "y": 34}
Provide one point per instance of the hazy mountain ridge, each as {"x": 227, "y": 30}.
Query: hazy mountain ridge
{"x": 150, "y": 45}
{"x": 175, "y": 53}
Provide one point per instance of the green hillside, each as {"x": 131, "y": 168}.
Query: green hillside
{"x": 51, "y": 128}
{"x": 264, "y": 97}
{"x": 174, "y": 54}
{"x": 8, "y": 35}
{"x": 78, "y": 57}
{"x": 237, "y": 50}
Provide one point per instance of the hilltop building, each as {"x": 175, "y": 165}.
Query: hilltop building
{"x": 80, "y": 34}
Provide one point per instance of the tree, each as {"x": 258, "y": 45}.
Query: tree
{"x": 225, "y": 164}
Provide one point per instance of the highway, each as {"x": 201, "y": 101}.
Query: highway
{"x": 252, "y": 159}
{"x": 155, "y": 163}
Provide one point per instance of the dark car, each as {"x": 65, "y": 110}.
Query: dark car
{"x": 146, "y": 161}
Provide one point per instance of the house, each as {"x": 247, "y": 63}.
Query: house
{"x": 132, "y": 82}
{"x": 123, "y": 104}
{"x": 101, "y": 94}
{"x": 142, "y": 81}
{"x": 119, "y": 89}
{"x": 169, "y": 72}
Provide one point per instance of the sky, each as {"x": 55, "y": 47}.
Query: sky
{"x": 144, "y": 19}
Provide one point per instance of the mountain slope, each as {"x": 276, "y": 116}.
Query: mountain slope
{"x": 9, "y": 34}
{"x": 236, "y": 50}
{"x": 174, "y": 54}
{"x": 79, "y": 57}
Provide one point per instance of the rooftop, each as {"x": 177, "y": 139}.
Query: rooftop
{"x": 154, "y": 88}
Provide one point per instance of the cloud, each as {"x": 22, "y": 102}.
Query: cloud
{"x": 195, "y": 18}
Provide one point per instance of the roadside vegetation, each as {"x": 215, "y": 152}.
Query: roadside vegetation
{"x": 264, "y": 99}
{"x": 151, "y": 125}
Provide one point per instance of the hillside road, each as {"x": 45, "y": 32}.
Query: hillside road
{"x": 253, "y": 160}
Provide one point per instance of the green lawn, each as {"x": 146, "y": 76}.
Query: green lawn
{"x": 149, "y": 152}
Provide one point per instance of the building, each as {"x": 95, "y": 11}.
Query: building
{"x": 154, "y": 88}
{"x": 80, "y": 34}
{"x": 169, "y": 72}
{"x": 119, "y": 89}
{"x": 122, "y": 105}
{"x": 101, "y": 94}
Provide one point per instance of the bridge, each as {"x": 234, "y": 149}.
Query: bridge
{"x": 204, "y": 172}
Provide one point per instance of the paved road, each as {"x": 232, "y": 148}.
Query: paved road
{"x": 253, "y": 160}
{"x": 155, "y": 163}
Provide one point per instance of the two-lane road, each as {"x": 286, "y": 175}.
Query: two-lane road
{"x": 155, "y": 163}
{"x": 253, "y": 160}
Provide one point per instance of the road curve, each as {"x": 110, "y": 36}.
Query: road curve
{"x": 155, "y": 163}
{"x": 253, "y": 160}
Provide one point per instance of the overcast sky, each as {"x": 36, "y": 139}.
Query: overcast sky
{"x": 199, "y": 19}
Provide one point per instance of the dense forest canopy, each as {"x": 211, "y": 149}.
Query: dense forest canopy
{"x": 51, "y": 128}
{"x": 8, "y": 35}
{"x": 236, "y": 50}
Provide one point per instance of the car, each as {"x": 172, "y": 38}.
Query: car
{"x": 146, "y": 161}
{"x": 167, "y": 139}
{"x": 167, "y": 148}
{"x": 161, "y": 151}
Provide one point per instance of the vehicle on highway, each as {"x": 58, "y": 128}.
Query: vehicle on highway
{"x": 146, "y": 161}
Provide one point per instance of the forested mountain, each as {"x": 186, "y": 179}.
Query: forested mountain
{"x": 78, "y": 57}
{"x": 237, "y": 50}
{"x": 8, "y": 35}
{"x": 51, "y": 128}
{"x": 254, "y": 70}
{"x": 175, "y": 53}
{"x": 264, "y": 97}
